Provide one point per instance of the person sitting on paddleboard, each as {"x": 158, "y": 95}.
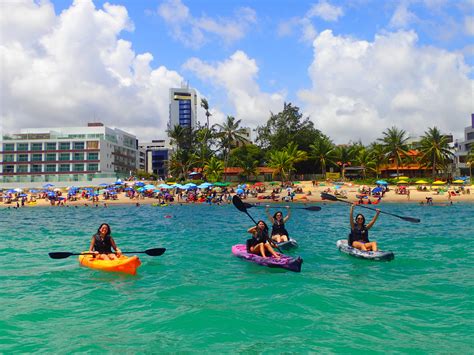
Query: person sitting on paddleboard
{"x": 279, "y": 232}
{"x": 260, "y": 241}
{"x": 102, "y": 244}
{"x": 359, "y": 236}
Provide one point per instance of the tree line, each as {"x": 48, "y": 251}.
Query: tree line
{"x": 290, "y": 144}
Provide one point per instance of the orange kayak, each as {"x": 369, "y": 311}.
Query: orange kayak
{"x": 128, "y": 265}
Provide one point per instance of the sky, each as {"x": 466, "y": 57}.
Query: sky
{"x": 354, "y": 67}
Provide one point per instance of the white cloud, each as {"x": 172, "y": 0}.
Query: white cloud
{"x": 195, "y": 32}
{"x": 238, "y": 77}
{"x": 326, "y": 11}
{"x": 402, "y": 17}
{"x": 361, "y": 88}
{"x": 73, "y": 68}
{"x": 469, "y": 25}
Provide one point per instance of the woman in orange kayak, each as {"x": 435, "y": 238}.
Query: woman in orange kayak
{"x": 359, "y": 236}
{"x": 102, "y": 244}
{"x": 259, "y": 244}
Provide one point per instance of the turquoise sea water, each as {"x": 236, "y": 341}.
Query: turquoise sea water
{"x": 197, "y": 297}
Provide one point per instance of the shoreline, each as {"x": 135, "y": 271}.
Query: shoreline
{"x": 311, "y": 195}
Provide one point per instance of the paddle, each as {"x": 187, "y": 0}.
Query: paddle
{"x": 309, "y": 208}
{"x": 241, "y": 206}
{"x": 151, "y": 252}
{"x": 330, "y": 197}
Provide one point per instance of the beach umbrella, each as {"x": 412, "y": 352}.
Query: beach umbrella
{"x": 164, "y": 186}
{"x": 239, "y": 191}
{"x": 103, "y": 184}
{"x": 421, "y": 182}
{"x": 128, "y": 189}
{"x": 18, "y": 190}
{"x": 402, "y": 177}
{"x": 23, "y": 195}
{"x": 139, "y": 184}
{"x": 149, "y": 187}
{"x": 33, "y": 191}
{"x": 381, "y": 182}
{"x": 377, "y": 190}
{"x": 47, "y": 185}
{"x": 402, "y": 182}
{"x": 458, "y": 182}
{"x": 118, "y": 182}
{"x": 438, "y": 182}
{"x": 222, "y": 184}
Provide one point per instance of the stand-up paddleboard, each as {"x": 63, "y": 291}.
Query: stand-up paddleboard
{"x": 379, "y": 255}
{"x": 285, "y": 261}
{"x": 289, "y": 244}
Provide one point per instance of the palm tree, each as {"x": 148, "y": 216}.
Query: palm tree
{"x": 365, "y": 159}
{"x": 181, "y": 136}
{"x": 281, "y": 162}
{"x": 204, "y": 142}
{"x": 214, "y": 169}
{"x": 205, "y": 106}
{"x": 435, "y": 150}
{"x": 295, "y": 155}
{"x": 470, "y": 161}
{"x": 324, "y": 152}
{"x": 344, "y": 155}
{"x": 395, "y": 145}
{"x": 181, "y": 162}
{"x": 249, "y": 167}
{"x": 230, "y": 134}
{"x": 378, "y": 156}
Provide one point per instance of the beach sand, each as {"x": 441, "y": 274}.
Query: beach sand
{"x": 311, "y": 195}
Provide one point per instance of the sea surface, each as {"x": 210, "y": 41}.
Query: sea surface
{"x": 198, "y": 297}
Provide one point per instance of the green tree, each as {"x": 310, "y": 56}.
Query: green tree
{"x": 435, "y": 150}
{"x": 214, "y": 169}
{"x": 379, "y": 157}
{"x": 281, "y": 161}
{"x": 249, "y": 168}
{"x": 365, "y": 159}
{"x": 204, "y": 141}
{"x": 230, "y": 134}
{"x": 181, "y": 137}
{"x": 323, "y": 150}
{"x": 344, "y": 157}
{"x": 181, "y": 162}
{"x": 395, "y": 145}
{"x": 470, "y": 161}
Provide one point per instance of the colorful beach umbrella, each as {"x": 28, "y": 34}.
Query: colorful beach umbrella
{"x": 458, "y": 182}
{"x": 381, "y": 182}
{"x": 421, "y": 182}
{"x": 438, "y": 182}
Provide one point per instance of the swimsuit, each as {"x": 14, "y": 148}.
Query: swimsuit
{"x": 103, "y": 246}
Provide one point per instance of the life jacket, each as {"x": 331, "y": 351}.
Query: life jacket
{"x": 103, "y": 246}
{"x": 358, "y": 235}
{"x": 279, "y": 228}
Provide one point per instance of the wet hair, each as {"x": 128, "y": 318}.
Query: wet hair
{"x": 361, "y": 215}
{"x": 108, "y": 227}
{"x": 275, "y": 215}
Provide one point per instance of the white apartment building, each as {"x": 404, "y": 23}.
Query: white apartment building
{"x": 463, "y": 148}
{"x": 64, "y": 156}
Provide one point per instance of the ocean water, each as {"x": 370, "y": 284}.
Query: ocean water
{"x": 198, "y": 297}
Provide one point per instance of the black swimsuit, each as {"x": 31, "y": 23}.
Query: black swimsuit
{"x": 103, "y": 246}
{"x": 260, "y": 237}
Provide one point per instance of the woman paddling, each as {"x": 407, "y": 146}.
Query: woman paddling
{"x": 359, "y": 236}
{"x": 259, "y": 243}
{"x": 279, "y": 232}
{"x": 102, "y": 244}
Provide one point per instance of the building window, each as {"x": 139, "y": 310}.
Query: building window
{"x": 92, "y": 156}
{"x": 9, "y": 169}
{"x": 36, "y": 157}
{"x": 22, "y": 169}
{"x": 64, "y": 145}
{"x": 36, "y": 146}
{"x": 9, "y": 147}
{"x": 64, "y": 167}
{"x": 51, "y": 146}
{"x": 78, "y": 145}
{"x": 93, "y": 167}
{"x": 64, "y": 156}
{"x": 50, "y": 156}
{"x": 8, "y": 158}
{"x": 78, "y": 156}
{"x": 22, "y": 147}
{"x": 36, "y": 168}
{"x": 22, "y": 157}
{"x": 51, "y": 168}
{"x": 93, "y": 145}
{"x": 78, "y": 167}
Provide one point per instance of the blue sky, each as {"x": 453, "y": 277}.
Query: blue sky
{"x": 355, "y": 67}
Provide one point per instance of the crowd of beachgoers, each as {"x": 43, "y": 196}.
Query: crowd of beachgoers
{"x": 160, "y": 194}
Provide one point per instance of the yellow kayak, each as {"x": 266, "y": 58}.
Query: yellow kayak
{"x": 128, "y": 265}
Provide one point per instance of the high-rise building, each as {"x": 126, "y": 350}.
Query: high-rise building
{"x": 463, "y": 148}
{"x": 156, "y": 155}
{"x": 183, "y": 108}
{"x": 64, "y": 156}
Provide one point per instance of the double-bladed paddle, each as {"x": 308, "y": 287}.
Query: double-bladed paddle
{"x": 309, "y": 208}
{"x": 241, "y": 206}
{"x": 330, "y": 197}
{"x": 150, "y": 252}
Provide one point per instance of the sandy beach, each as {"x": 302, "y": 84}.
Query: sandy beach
{"x": 311, "y": 195}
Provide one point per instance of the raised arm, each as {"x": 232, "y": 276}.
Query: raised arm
{"x": 373, "y": 219}
{"x": 267, "y": 211}
{"x": 351, "y": 217}
{"x": 252, "y": 230}
{"x": 288, "y": 214}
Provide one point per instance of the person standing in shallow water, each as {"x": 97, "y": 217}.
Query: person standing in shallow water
{"x": 359, "y": 236}
{"x": 102, "y": 244}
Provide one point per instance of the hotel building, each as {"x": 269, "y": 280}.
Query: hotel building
{"x": 463, "y": 148}
{"x": 183, "y": 108}
{"x": 64, "y": 156}
{"x": 155, "y": 157}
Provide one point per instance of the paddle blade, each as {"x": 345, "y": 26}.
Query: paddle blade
{"x": 155, "y": 251}
{"x": 411, "y": 219}
{"x": 327, "y": 196}
{"x": 248, "y": 205}
{"x": 60, "y": 255}
{"x": 313, "y": 208}
{"x": 239, "y": 204}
